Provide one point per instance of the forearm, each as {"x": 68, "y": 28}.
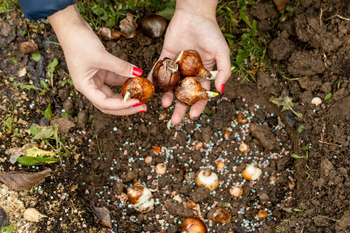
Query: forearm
{"x": 64, "y": 21}
{"x": 202, "y": 7}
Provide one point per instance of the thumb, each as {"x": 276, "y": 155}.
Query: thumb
{"x": 112, "y": 63}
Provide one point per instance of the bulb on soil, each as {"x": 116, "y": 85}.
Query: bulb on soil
{"x": 207, "y": 178}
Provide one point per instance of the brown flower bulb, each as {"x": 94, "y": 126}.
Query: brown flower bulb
{"x": 193, "y": 225}
{"x": 153, "y": 25}
{"x": 281, "y": 5}
{"x": 190, "y": 64}
{"x": 244, "y": 148}
{"x": 128, "y": 26}
{"x": 165, "y": 75}
{"x": 156, "y": 149}
{"x": 241, "y": 119}
{"x": 140, "y": 197}
{"x": 219, "y": 215}
{"x": 137, "y": 88}
{"x": 207, "y": 178}
{"x": 236, "y": 191}
{"x": 190, "y": 90}
{"x": 109, "y": 34}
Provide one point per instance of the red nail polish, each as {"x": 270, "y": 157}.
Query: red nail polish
{"x": 137, "y": 71}
{"x": 222, "y": 88}
{"x": 142, "y": 111}
{"x": 137, "y": 104}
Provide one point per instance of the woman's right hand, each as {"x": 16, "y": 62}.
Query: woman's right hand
{"x": 91, "y": 67}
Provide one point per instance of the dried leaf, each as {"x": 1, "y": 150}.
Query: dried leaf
{"x": 102, "y": 214}
{"x": 45, "y": 133}
{"x": 128, "y": 26}
{"x": 22, "y": 181}
{"x": 29, "y": 150}
{"x": 286, "y": 103}
{"x": 3, "y": 218}
{"x": 32, "y": 214}
{"x": 28, "y": 47}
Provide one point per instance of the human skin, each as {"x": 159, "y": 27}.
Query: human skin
{"x": 91, "y": 67}
{"x": 194, "y": 27}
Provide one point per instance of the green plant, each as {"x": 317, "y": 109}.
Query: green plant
{"x": 248, "y": 52}
{"x": 328, "y": 97}
{"x": 36, "y": 56}
{"x": 304, "y": 148}
{"x": 286, "y": 103}
{"x": 8, "y": 229}
{"x": 301, "y": 128}
{"x": 48, "y": 112}
{"x": 8, "y": 124}
{"x": 51, "y": 69}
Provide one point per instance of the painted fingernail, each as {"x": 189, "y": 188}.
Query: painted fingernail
{"x": 222, "y": 88}
{"x": 137, "y": 104}
{"x": 142, "y": 111}
{"x": 137, "y": 71}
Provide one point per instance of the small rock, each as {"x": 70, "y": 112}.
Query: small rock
{"x": 68, "y": 106}
{"x": 82, "y": 119}
{"x": 28, "y": 47}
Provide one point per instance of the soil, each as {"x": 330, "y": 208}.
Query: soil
{"x": 308, "y": 56}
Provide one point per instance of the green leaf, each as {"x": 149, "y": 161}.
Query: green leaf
{"x": 65, "y": 114}
{"x": 34, "y": 130}
{"x": 298, "y": 157}
{"x": 91, "y": 117}
{"x": 48, "y": 112}
{"x": 44, "y": 85}
{"x": 208, "y": 111}
{"x": 338, "y": 85}
{"x": 45, "y": 133}
{"x": 169, "y": 10}
{"x": 305, "y": 148}
{"x": 28, "y": 161}
{"x": 8, "y": 229}
{"x": 110, "y": 23}
{"x": 36, "y": 56}
{"x": 301, "y": 128}
{"x": 97, "y": 10}
{"x": 14, "y": 60}
{"x": 11, "y": 79}
{"x": 51, "y": 68}
{"x": 241, "y": 55}
{"x": 328, "y": 97}
{"x": 243, "y": 15}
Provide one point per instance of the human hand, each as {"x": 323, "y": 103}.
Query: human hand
{"x": 194, "y": 26}
{"x": 91, "y": 67}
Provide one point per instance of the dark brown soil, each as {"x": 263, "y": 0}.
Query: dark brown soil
{"x": 310, "y": 47}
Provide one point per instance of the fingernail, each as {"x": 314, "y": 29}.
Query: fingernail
{"x": 137, "y": 104}
{"x": 142, "y": 111}
{"x": 137, "y": 71}
{"x": 222, "y": 88}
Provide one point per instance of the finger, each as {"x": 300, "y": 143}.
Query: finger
{"x": 224, "y": 70}
{"x": 127, "y": 111}
{"x": 114, "y": 79}
{"x": 105, "y": 89}
{"x": 179, "y": 113}
{"x": 167, "y": 99}
{"x": 112, "y": 63}
{"x": 101, "y": 100}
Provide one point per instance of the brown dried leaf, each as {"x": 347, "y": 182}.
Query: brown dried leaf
{"x": 102, "y": 214}
{"x": 28, "y": 47}
{"x": 128, "y": 26}
{"x": 23, "y": 180}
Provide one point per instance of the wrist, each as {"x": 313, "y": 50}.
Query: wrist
{"x": 205, "y": 8}
{"x": 64, "y": 20}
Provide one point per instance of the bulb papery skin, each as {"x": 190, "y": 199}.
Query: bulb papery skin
{"x": 207, "y": 178}
{"x": 160, "y": 168}
{"x": 236, "y": 191}
{"x": 139, "y": 88}
{"x": 193, "y": 225}
{"x": 140, "y": 197}
{"x": 251, "y": 172}
{"x": 190, "y": 90}
{"x": 190, "y": 64}
{"x": 153, "y": 25}
{"x": 244, "y": 148}
{"x": 165, "y": 75}
{"x": 219, "y": 215}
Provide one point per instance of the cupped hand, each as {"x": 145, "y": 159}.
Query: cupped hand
{"x": 91, "y": 67}
{"x": 188, "y": 30}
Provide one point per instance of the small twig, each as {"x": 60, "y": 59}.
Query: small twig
{"x": 322, "y": 137}
{"x": 98, "y": 147}
{"x": 321, "y": 17}
{"x": 339, "y": 16}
